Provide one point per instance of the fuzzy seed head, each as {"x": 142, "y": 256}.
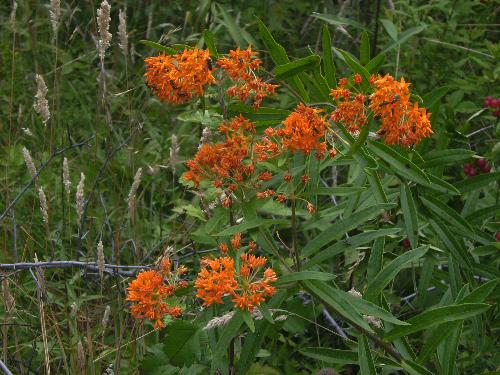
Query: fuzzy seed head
{"x": 80, "y": 352}
{"x": 80, "y": 197}
{"x": 28, "y": 160}
{"x": 100, "y": 259}
{"x": 66, "y": 178}
{"x": 41, "y": 104}
{"x": 122, "y": 32}
{"x": 103, "y": 20}
{"x": 105, "y": 317}
{"x": 55, "y": 14}
{"x": 43, "y": 205}
{"x": 174, "y": 153}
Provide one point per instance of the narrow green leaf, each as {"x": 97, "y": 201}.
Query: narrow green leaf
{"x": 483, "y": 213}
{"x": 355, "y": 66}
{"x": 480, "y": 294}
{"x": 332, "y": 356}
{"x": 366, "y": 365}
{"x": 433, "y": 340}
{"x": 374, "y": 64}
{"x": 376, "y": 259}
{"x": 158, "y": 46}
{"x": 209, "y": 39}
{"x": 404, "y": 36}
{"x": 247, "y": 318}
{"x": 414, "y": 368}
{"x": 387, "y": 274}
{"x": 390, "y": 28}
{"x": 431, "y": 98}
{"x": 229, "y": 331}
{"x": 239, "y": 35}
{"x": 336, "y": 20}
{"x": 182, "y": 337}
{"x": 441, "y": 185}
{"x": 454, "y": 245}
{"x": 250, "y": 225}
{"x": 446, "y": 213}
{"x": 295, "y": 67}
{"x": 477, "y": 182}
{"x": 445, "y": 157}
{"x": 364, "y": 54}
{"x": 305, "y": 275}
{"x": 340, "y": 191}
{"x": 338, "y": 229}
{"x": 437, "y": 316}
{"x": 328, "y": 64}
{"x": 449, "y": 350}
{"x": 409, "y": 214}
{"x": 401, "y": 165}
{"x": 325, "y": 293}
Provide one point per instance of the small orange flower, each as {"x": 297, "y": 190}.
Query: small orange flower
{"x": 240, "y": 66}
{"x": 281, "y": 198}
{"x": 177, "y": 78}
{"x": 357, "y": 79}
{"x": 266, "y": 176}
{"x": 311, "y": 208}
{"x": 150, "y": 292}
{"x": 402, "y": 122}
{"x": 253, "y": 245}
{"x": 236, "y": 241}
{"x": 215, "y": 280}
{"x": 287, "y": 177}
{"x": 265, "y": 194}
{"x": 303, "y": 131}
{"x": 223, "y": 248}
{"x": 304, "y": 178}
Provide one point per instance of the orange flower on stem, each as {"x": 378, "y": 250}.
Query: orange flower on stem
{"x": 402, "y": 122}
{"x": 240, "y": 66}
{"x": 178, "y": 78}
{"x": 150, "y": 292}
{"x": 248, "y": 287}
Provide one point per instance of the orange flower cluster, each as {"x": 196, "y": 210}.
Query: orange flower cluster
{"x": 150, "y": 291}
{"x": 303, "y": 130}
{"x": 177, "y": 78}
{"x": 350, "y": 109}
{"x": 247, "y": 287}
{"x": 226, "y": 164}
{"x": 240, "y": 66}
{"x": 236, "y": 244}
{"x": 402, "y": 122}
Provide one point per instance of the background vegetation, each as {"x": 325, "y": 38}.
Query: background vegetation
{"x": 107, "y": 124}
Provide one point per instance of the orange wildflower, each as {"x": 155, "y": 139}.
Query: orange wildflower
{"x": 357, "y": 79}
{"x": 303, "y": 130}
{"x": 351, "y": 112}
{"x": 304, "y": 178}
{"x": 240, "y": 66}
{"x": 265, "y": 194}
{"x": 177, "y": 78}
{"x": 253, "y": 245}
{"x": 311, "y": 208}
{"x": 266, "y": 176}
{"x": 219, "y": 278}
{"x": 281, "y": 198}
{"x": 227, "y": 163}
{"x": 402, "y": 122}
{"x": 216, "y": 279}
{"x": 236, "y": 241}
{"x": 150, "y": 292}
{"x": 223, "y": 248}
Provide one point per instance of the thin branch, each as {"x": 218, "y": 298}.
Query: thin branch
{"x": 4, "y": 368}
{"x": 35, "y": 176}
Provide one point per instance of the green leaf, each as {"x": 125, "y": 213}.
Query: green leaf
{"x": 364, "y": 54}
{"x": 181, "y": 343}
{"x": 409, "y": 214}
{"x": 404, "y": 36}
{"x": 441, "y": 185}
{"x": 366, "y": 365}
{"x": 433, "y": 340}
{"x": 209, "y": 39}
{"x": 332, "y": 356}
{"x": 229, "y": 331}
{"x": 480, "y": 294}
{"x": 340, "y": 191}
{"x": 431, "y": 98}
{"x": 375, "y": 63}
{"x": 449, "y": 350}
{"x": 437, "y": 316}
{"x": 263, "y": 113}
{"x": 397, "y": 162}
{"x": 446, "y": 213}
{"x": 414, "y": 368}
{"x": 239, "y": 35}
{"x": 477, "y": 182}
{"x": 483, "y": 213}
{"x": 328, "y": 64}
{"x": 243, "y": 227}
{"x": 376, "y": 259}
{"x": 247, "y": 318}
{"x": 305, "y": 275}
{"x": 350, "y": 244}
{"x": 325, "y": 293}
{"x": 338, "y": 229}
{"x": 445, "y": 157}
{"x": 387, "y": 274}
{"x": 454, "y": 245}
{"x": 295, "y": 67}
{"x": 355, "y": 66}
{"x": 390, "y": 28}
{"x": 338, "y": 21}
{"x": 158, "y": 46}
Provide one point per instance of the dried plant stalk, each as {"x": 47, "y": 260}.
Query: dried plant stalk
{"x": 66, "y": 178}
{"x": 100, "y": 259}
{"x": 43, "y": 205}
{"x": 103, "y": 20}
{"x": 80, "y": 197}
{"x": 122, "y": 32}
{"x": 28, "y": 160}
{"x": 133, "y": 192}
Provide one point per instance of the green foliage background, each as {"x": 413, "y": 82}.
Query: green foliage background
{"x": 449, "y": 51}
